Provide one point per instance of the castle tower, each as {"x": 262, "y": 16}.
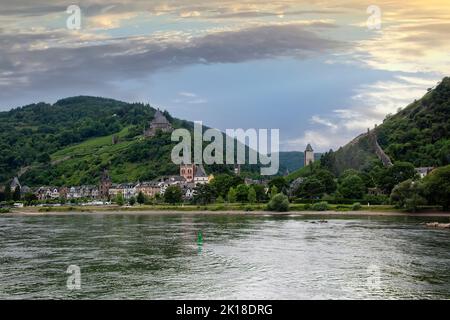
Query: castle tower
{"x": 309, "y": 155}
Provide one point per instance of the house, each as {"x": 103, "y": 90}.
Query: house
{"x": 421, "y": 171}
{"x": 73, "y": 193}
{"x": 15, "y": 183}
{"x": 250, "y": 181}
{"x": 128, "y": 190}
{"x": 294, "y": 185}
{"x": 375, "y": 192}
{"x": 159, "y": 123}
{"x": 114, "y": 190}
{"x": 237, "y": 169}
{"x": 24, "y": 190}
{"x": 54, "y": 193}
{"x": 149, "y": 189}
{"x": 188, "y": 190}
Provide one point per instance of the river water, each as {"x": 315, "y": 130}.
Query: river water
{"x": 126, "y": 256}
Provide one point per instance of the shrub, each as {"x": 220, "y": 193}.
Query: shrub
{"x": 279, "y": 203}
{"x": 356, "y": 206}
{"x": 320, "y": 206}
{"x": 4, "y": 210}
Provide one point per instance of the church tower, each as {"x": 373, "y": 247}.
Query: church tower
{"x": 105, "y": 185}
{"x": 188, "y": 171}
{"x": 309, "y": 155}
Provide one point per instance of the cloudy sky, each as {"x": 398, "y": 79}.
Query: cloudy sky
{"x": 320, "y": 71}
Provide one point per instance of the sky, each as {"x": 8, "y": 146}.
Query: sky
{"x": 321, "y": 72}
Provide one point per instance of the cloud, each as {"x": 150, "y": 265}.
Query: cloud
{"x": 369, "y": 106}
{"x": 319, "y": 120}
{"x": 186, "y": 97}
{"x": 53, "y": 60}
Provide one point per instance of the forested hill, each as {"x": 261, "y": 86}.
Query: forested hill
{"x": 71, "y": 140}
{"x": 420, "y": 134}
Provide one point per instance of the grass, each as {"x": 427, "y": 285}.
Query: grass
{"x": 101, "y": 145}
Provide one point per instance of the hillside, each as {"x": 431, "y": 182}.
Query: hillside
{"x": 291, "y": 161}
{"x": 73, "y": 140}
{"x": 420, "y": 134}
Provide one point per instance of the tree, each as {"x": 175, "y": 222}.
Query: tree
{"x": 273, "y": 191}
{"x": 119, "y": 199}
{"x": 204, "y": 194}
{"x": 279, "y": 202}
{"x": 260, "y": 192}
{"x": 223, "y": 182}
{"x": 140, "y": 198}
{"x": 29, "y": 197}
{"x": 132, "y": 201}
{"x": 327, "y": 160}
{"x": 251, "y": 195}
{"x": 352, "y": 187}
{"x": 7, "y": 192}
{"x": 231, "y": 195}
{"x": 281, "y": 184}
{"x": 242, "y": 193}
{"x": 388, "y": 178}
{"x": 16, "y": 194}
{"x": 437, "y": 187}
{"x": 173, "y": 195}
{"x": 311, "y": 188}
{"x": 408, "y": 195}
{"x": 327, "y": 179}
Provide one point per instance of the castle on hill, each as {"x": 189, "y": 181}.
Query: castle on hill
{"x": 159, "y": 123}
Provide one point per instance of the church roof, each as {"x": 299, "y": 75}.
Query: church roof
{"x": 15, "y": 183}
{"x": 200, "y": 172}
{"x": 309, "y": 148}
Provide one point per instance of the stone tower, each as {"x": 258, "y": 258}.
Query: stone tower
{"x": 309, "y": 155}
{"x": 105, "y": 185}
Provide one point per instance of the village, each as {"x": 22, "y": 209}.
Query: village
{"x": 189, "y": 178}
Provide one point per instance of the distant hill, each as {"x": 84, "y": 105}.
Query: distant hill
{"x": 291, "y": 161}
{"x": 72, "y": 141}
{"x": 420, "y": 134}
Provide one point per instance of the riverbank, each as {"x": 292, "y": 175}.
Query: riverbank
{"x": 193, "y": 210}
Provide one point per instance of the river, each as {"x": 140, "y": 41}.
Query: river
{"x": 125, "y": 256}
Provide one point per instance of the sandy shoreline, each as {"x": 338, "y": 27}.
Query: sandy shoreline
{"x": 247, "y": 213}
